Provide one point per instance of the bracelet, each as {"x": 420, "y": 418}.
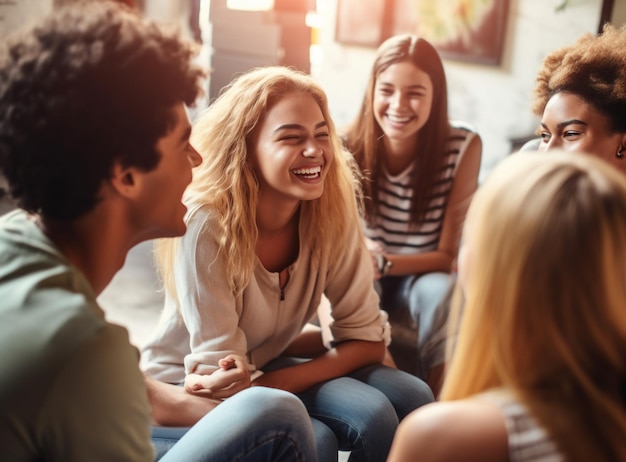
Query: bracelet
{"x": 383, "y": 263}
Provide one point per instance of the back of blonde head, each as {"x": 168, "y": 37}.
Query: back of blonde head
{"x": 226, "y": 181}
{"x": 546, "y": 297}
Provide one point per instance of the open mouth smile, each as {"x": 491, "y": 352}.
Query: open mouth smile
{"x": 399, "y": 120}
{"x": 308, "y": 173}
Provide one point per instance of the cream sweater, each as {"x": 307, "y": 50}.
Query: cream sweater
{"x": 261, "y": 321}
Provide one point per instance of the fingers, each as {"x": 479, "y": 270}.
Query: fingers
{"x": 233, "y": 361}
{"x": 233, "y": 376}
{"x": 373, "y": 246}
{"x": 195, "y": 383}
{"x": 231, "y": 390}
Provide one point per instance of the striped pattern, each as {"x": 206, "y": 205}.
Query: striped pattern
{"x": 392, "y": 229}
{"x": 528, "y": 441}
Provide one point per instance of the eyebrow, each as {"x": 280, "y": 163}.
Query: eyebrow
{"x": 565, "y": 123}
{"x": 412, "y": 87}
{"x": 299, "y": 127}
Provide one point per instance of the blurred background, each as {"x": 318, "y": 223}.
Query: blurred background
{"x": 491, "y": 50}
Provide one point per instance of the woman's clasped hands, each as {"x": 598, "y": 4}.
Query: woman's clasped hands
{"x": 232, "y": 376}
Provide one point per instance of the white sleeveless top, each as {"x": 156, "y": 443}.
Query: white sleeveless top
{"x": 528, "y": 440}
{"x": 392, "y": 228}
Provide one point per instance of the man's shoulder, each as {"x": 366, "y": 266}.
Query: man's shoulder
{"x": 47, "y": 309}
{"x": 24, "y": 247}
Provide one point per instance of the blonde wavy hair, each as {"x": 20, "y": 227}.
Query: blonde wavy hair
{"x": 545, "y": 298}
{"x": 227, "y": 183}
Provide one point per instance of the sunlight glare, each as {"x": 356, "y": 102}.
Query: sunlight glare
{"x": 250, "y": 5}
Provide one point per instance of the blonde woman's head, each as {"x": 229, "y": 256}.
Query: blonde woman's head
{"x": 543, "y": 267}
{"x": 227, "y": 181}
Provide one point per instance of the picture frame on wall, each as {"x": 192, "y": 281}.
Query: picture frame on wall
{"x": 464, "y": 30}
{"x": 359, "y": 25}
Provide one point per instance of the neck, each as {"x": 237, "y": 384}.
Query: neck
{"x": 275, "y": 218}
{"x": 278, "y": 243}
{"x": 399, "y": 154}
{"x": 93, "y": 243}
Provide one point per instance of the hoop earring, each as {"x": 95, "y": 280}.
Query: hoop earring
{"x": 620, "y": 152}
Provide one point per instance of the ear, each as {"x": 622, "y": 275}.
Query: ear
{"x": 124, "y": 180}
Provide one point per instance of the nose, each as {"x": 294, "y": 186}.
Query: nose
{"x": 313, "y": 150}
{"x": 553, "y": 143}
{"x": 396, "y": 99}
{"x": 195, "y": 158}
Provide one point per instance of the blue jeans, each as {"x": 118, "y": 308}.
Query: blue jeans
{"x": 256, "y": 424}
{"x": 362, "y": 410}
{"x": 423, "y": 296}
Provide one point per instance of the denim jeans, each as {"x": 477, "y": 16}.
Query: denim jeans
{"x": 256, "y": 424}
{"x": 362, "y": 410}
{"x": 424, "y": 297}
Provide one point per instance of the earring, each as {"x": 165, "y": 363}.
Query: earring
{"x": 620, "y": 152}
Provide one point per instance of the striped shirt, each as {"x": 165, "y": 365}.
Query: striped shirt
{"x": 392, "y": 228}
{"x": 528, "y": 440}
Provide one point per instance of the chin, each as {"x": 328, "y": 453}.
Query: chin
{"x": 172, "y": 229}
{"x": 178, "y": 231}
{"x": 311, "y": 196}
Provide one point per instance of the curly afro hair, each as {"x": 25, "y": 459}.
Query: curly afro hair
{"x": 92, "y": 84}
{"x": 594, "y": 68}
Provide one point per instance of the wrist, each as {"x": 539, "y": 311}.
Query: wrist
{"x": 383, "y": 263}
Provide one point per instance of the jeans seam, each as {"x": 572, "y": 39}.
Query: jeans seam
{"x": 283, "y": 436}
{"x": 320, "y": 416}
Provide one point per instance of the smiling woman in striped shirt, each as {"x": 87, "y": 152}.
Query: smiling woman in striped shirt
{"x": 420, "y": 172}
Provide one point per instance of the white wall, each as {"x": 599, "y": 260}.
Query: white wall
{"x": 495, "y": 99}
{"x": 18, "y": 13}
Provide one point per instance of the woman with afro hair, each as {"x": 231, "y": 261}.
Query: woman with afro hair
{"x": 580, "y": 95}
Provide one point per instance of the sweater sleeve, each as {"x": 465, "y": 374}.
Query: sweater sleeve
{"x": 208, "y": 307}
{"x": 354, "y": 302}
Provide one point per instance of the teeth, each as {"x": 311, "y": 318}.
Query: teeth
{"x": 308, "y": 171}
{"x": 399, "y": 119}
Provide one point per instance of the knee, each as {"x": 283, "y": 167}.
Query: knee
{"x": 279, "y": 401}
{"x": 379, "y": 412}
{"x": 421, "y": 394}
{"x": 325, "y": 441}
{"x": 428, "y": 291}
{"x": 435, "y": 283}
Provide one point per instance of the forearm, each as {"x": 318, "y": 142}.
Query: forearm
{"x": 336, "y": 362}
{"x": 173, "y": 406}
{"x": 308, "y": 344}
{"x": 428, "y": 262}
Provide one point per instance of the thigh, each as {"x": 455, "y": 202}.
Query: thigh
{"x": 403, "y": 390}
{"x": 424, "y": 295}
{"x": 361, "y": 417}
{"x": 164, "y": 438}
{"x": 256, "y": 424}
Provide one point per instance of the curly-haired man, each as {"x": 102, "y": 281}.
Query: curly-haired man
{"x": 94, "y": 144}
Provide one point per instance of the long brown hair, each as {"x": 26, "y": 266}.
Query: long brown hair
{"x": 364, "y": 136}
